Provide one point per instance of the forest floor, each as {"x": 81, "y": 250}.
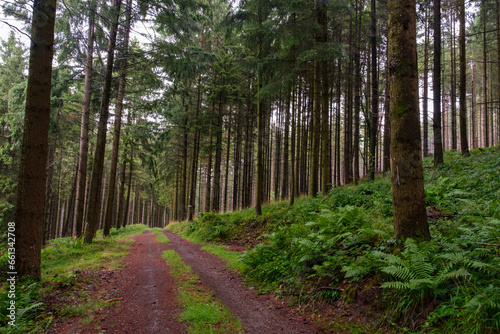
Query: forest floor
{"x": 144, "y": 297}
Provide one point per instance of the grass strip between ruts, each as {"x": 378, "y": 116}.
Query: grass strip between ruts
{"x": 201, "y": 310}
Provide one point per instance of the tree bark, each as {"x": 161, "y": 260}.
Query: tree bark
{"x": 122, "y": 83}
{"x": 31, "y": 187}
{"x": 97, "y": 168}
{"x": 453, "y": 122}
{"x": 464, "y": 143}
{"x": 485, "y": 86}
{"x": 410, "y": 220}
{"x": 84, "y": 131}
{"x": 436, "y": 78}
{"x": 194, "y": 164}
{"x": 425, "y": 102}
{"x": 374, "y": 113}
{"x": 473, "y": 108}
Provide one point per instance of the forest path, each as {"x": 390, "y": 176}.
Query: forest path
{"x": 258, "y": 313}
{"x": 146, "y": 293}
{"x": 147, "y": 301}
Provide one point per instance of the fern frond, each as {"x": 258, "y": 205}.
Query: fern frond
{"x": 395, "y": 285}
{"x": 455, "y": 274}
{"x": 400, "y": 272}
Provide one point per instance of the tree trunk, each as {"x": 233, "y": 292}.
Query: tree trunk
{"x": 348, "y": 177}
{"x": 32, "y": 174}
{"x": 216, "y": 196}
{"x": 237, "y": 157}
{"x": 436, "y": 78}
{"x": 127, "y": 202}
{"x": 122, "y": 83}
{"x": 97, "y": 168}
{"x": 485, "y": 86}
{"x": 357, "y": 94}
{"x": 473, "y": 108}
{"x": 464, "y": 143}
{"x": 293, "y": 169}
{"x": 453, "y": 122}
{"x": 326, "y": 161}
{"x": 260, "y": 150}
{"x": 121, "y": 196}
{"x": 208, "y": 185}
{"x": 84, "y": 131}
{"x": 226, "y": 176}
{"x": 374, "y": 113}
{"x": 410, "y": 220}
{"x": 425, "y": 102}
{"x": 194, "y": 164}
{"x": 285, "y": 192}
{"x": 184, "y": 168}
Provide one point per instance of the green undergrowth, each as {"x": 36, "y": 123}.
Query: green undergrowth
{"x": 232, "y": 258}
{"x": 202, "y": 312}
{"x": 69, "y": 268}
{"x": 335, "y": 248}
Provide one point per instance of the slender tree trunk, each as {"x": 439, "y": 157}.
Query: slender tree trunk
{"x": 208, "y": 185}
{"x": 473, "y": 107}
{"x": 357, "y": 94}
{"x": 97, "y": 168}
{"x": 126, "y": 219}
{"x": 71, "y": 202}
{"x": 410, "y": 220}
{"x": 453, "y": 122}
{"x": 121, "y": 196}
{"x": 184, "y": 157}
{"x": 387, "y": 122}
{"x": 55, "y": 224}
{"x": 260, "y": 134}
{"x": 237, "y": 158}
{"x": 285, "y": 191}
{"x": 31, "y": 187}
{"x": 498, "y": 70}
{"x": 425, "y": 102}
{"x": 49, "y": 196}
{"x": 374, "y": 113}
{"x": 485, "y": 86}
{"x": 436, "y": 78}
{"x": 326, "y": 166}
{"x": 315, "y": 129}
{"x": 118, "y": 121}
{"x": 216, "y": 197}
{"x": 464, "y": 143}
{"x": 338, "y": 127}
{"x": 84, "y": 131}
{"x": 226, "y": 176}
{"x": 293, "y": 169}
{"x": 194, "y": 163}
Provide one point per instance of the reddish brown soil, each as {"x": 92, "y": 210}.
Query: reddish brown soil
{"x": 258, "y": 313}
{"x": 148, "y": 303}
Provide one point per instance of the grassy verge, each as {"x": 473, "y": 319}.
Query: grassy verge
{"x": 340, "y": 249}
{"x": 70, "y": 272}
{"x": 232, "y": 258}
{"x": 202, "y": 311}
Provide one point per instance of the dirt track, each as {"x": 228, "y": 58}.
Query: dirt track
{"x": 146, "y": 294}
{"x": 258, "y": 313}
